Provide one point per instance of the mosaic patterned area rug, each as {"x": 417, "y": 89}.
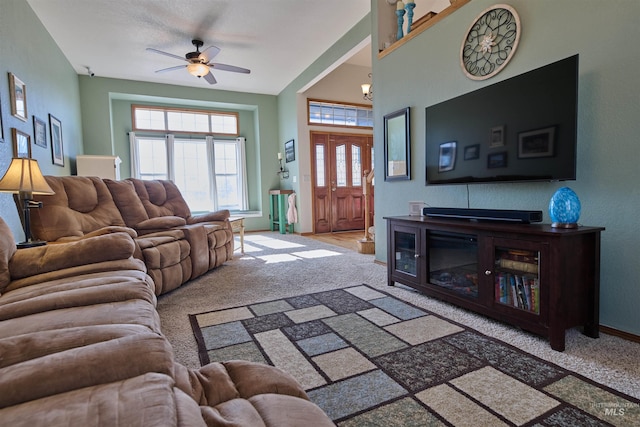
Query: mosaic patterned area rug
{"x": 370, "y": 359}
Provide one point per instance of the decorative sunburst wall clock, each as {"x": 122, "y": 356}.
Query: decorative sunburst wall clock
{"x": 490, "y": 42}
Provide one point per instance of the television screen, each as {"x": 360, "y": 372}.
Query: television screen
{"x": 519, "y": 129}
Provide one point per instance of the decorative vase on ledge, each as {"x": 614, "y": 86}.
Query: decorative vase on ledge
{"x": 564, "y": 208}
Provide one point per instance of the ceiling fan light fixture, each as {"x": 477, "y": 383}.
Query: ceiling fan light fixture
{"x": 198, "y": 69}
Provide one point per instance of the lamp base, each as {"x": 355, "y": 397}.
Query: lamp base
{"x": 564, "y": 225}
{"x": 31, "y": 244}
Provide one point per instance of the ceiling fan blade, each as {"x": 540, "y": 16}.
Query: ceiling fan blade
{"x": 182, "y": 58}
{"x": 209, "y": 78}
{"x": 225, "y": 67}
{"x": 209, "y": 53}
{"x": 177, "y": 67}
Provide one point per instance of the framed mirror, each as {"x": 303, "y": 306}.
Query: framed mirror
{"x": 397, "y": 142}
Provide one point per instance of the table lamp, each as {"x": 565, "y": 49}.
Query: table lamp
{"x": 23, "y": 177}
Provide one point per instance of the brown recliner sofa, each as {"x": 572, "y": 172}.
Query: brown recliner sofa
{"x": 175, "y": 245}
{"x": 81, "y": 344}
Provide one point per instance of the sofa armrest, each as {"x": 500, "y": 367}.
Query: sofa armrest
{"x": 48, "y": 258}
{"x": 220, "y": 215}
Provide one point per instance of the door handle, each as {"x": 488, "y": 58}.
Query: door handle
{"x": 333, "y": 186}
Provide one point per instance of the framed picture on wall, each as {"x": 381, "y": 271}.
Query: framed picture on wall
{"x": 289, "y": 151}
{"x": 39, "y": 132}
{"x": 18, "y": 92}
{"x": 21, "y": 143}
{"x": 57, "y": 147}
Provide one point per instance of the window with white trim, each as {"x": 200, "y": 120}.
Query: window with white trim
{"x": 165, "y": 119}
{"x": 338, "y": 114}
{"x": 210, "y": 173}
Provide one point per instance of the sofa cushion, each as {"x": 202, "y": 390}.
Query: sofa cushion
{"x": 145, "y": 400}
{"x": 80, "y": 205}
{"x": 135, "y": 312}
{"x": 84, "y": 290}
{"x": 161, "y": 198}
{"x": 127, "y": 200}
{"x": 43, "y": 259}
{"x": 100, "y": 363}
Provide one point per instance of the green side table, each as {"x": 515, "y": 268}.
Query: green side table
{"x": 278, "y": 210}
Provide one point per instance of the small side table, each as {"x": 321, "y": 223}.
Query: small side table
{"x": 237, "y": 225}
{"x": 278, "y": 210}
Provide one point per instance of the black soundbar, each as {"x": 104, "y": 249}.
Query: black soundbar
{"x": 524, "y": 217}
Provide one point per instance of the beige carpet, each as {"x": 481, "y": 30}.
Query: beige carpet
{"x": 279, "y": 266}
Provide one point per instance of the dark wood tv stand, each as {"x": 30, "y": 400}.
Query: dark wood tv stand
{"x": 541, "y": 279}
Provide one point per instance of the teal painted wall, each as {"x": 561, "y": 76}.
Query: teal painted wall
{"x": 106, "y": 116}
{"x": 426, "y": 70}
{"x": 28, "y": 51}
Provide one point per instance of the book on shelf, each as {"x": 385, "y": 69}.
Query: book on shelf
{"x": 524, "y": 266}
{"x": 520, "y": 291}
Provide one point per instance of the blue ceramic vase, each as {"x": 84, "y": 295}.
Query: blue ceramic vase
{"x": 564, "y": 208}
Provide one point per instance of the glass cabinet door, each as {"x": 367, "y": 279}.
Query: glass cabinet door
{"x": 406, "y": 252}
{"x": 517, "y": 278}
{"x": 453, "y": 262}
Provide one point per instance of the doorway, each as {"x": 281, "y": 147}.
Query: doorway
{"x": 338, "y": 162}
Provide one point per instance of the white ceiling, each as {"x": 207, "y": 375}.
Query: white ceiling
{"x": 276, "y": 39}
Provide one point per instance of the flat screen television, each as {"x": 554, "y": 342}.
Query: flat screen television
{"x": 520, "y": 129}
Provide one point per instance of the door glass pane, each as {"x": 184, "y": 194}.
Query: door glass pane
{"x": 356, "y": 166}
{"x": 320, "y": 178}
{"x": 341, "y": 165}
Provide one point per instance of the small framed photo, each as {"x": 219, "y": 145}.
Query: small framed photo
{"x": 57, "y": 147}
{"x": 18, "y": 92}
{"x": 289, "y": 151}
{"x": 496, "y": 138}
{"x": 536, "y": 143}
{"x": 447, "y": 159}
{"x": 497, "y": 160}
{"x": 21, "y": 143}
{"x": 39, "y": 132}
{"x": 472, "y": 152}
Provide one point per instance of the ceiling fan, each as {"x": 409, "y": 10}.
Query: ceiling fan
{"x": 198, "y": 62}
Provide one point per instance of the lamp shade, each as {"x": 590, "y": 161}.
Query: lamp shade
{"x": 24, "y": 175}
{"x": 198, "y": 69}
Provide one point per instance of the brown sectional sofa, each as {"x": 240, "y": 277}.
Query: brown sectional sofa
{"x": 81, "y": 344}
{"x": 175, "y": 245}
